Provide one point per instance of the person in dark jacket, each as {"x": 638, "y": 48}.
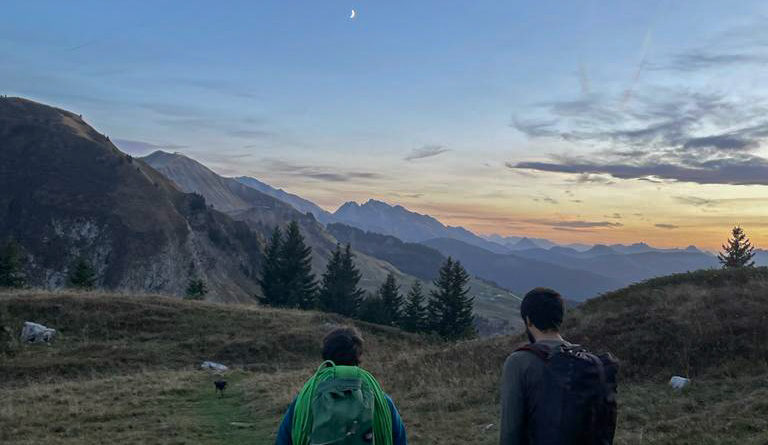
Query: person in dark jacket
{"x": 343, "y": 346}
{"x": 526, "y": 382}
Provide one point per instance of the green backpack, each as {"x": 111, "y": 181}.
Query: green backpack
{"x": 341, "y": 405}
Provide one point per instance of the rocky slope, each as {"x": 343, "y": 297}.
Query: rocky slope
{"x": 67, "y": 192}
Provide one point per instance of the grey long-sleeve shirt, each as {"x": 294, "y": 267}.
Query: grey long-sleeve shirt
{"x": 522, "y": 370}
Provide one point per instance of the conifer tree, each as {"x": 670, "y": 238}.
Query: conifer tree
{"x": 339, "y": 292}
{"x": 82, "y": 275}
{"x": 450, "y": 307}
{"x": 11, "y": 265}
{"x": 300, "y": 287}
{"x": 196, "y": 289}
{"x": 738, "y": 251}
{"x": 272, "y": 288}
{"x": 372, "y": 310}
{"x": 415, "y": 311}
{"x": 392, "y": 301}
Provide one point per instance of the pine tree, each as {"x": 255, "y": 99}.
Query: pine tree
{"x": 300, "y": 287}
{"x": 450, "y": 307}
{"x": 82, "y": 275}
{"x": 339, "y": 292}
{"x": 196, "y": 289}
{"x": 272, "y": 288}
{"x": 372, "y": 310}
{"x": 415, "y": 311}
{"x": 392, "y": 301}
{"x": 11, "y": 266}
{"x": 738, "y": 251}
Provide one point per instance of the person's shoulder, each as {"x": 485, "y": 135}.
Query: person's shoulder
{"x": 519, "y": 358}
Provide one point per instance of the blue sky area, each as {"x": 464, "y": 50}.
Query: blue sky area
{"x": 504, "y": 116}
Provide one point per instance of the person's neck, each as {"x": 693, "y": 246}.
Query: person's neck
{"x": 543, "y": 336}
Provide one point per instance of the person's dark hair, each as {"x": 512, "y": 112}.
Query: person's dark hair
{"x": 544, "y": 307}
{"x": 343, "y": 346}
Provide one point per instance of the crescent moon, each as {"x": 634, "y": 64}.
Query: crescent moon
{"x": 352, "y": 14}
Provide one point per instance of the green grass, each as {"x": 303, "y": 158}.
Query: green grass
{"x": 228, "y": 418}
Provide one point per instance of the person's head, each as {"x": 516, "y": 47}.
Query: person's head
{"x": 542, "y": 311}
{"x": 343, "y": 346}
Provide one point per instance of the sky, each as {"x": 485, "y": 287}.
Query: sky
{"x": 577, "y": 121}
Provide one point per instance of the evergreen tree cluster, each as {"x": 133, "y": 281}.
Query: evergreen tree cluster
{"x": 287, "y": 280}
{"x": 447, "y": 312}
{"x": 286, "y": 274}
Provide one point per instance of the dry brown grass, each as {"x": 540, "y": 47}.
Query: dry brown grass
{"x": 123, "y": 371}
{"x": 686, "y": 328}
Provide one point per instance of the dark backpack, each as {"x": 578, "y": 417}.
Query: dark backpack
{"x": 575, "y": 401}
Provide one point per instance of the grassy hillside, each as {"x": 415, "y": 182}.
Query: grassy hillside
{"x": 705, "y": 323}
{"x": 124, "y": 368}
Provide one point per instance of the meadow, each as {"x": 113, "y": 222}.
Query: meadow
{"x": 125, "y": 368}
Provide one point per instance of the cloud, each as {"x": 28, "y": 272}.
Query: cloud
{"x": 218, "y": 86}
{"x": 318, "y": 172}
{"x": 695, "y": 201}
{"x": 535, "y": 129}
{"x": 427, "y": 151}
{"x": 250, "y": 134}
{"x": 143, "y": 147}
{"x": 745, "y": 171}
{"x": 666, "y": 226}
{"x": 707, "y": 202}
{"x": 586, "y": 178}
{"x": 702, "y": 59}
{"x": 722, "y": 142}
{"x": 676, "y": 136}
{"x": 574, "y": 224}
{"x": 570, "y": 229}
{"x": 173, "y": 110}
{"x": 545, "y": 199}
{"x": 406, "y": 195}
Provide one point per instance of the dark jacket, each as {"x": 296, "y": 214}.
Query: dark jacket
{"x": 398, "y": 429}
{"x": 522, "y": 372}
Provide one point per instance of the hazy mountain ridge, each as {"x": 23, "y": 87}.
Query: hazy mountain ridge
{"x": 299, "y": 203}
{"x": 380, "y": 217}
{"x": 522, "y": 274}
{"x": 415, "y": 259}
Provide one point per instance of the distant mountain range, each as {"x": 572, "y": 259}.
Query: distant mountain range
{"x": 380, "y": 217}
{"x": 393, "y": 233}
{"x": 63, "y": 184}
{"x": 520, "y": 274}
